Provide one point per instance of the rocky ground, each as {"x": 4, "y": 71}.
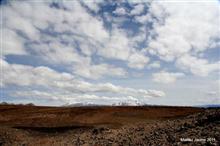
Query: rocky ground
{"x": 201, "y": 128}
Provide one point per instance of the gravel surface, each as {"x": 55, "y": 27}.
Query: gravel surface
{"x": 197, "y": 129}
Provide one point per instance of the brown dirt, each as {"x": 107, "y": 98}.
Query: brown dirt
{"x": 58, "y": 126}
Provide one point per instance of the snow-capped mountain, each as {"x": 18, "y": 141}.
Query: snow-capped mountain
{"x": 122, "y": 103}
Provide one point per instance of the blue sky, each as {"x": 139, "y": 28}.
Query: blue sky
{"x": 104, "y": 52}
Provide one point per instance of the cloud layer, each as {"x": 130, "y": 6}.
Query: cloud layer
{"x": 85, "y": 50}
{"x": 64, "y": 85}
{"x": 182, "y": 31}
{"x": 166, "y": 77}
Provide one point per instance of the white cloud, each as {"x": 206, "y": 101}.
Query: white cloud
{"x": 166, "y": 77}
{"x": 155, "y": 64}
{"x": 120, "y": 11}
{"x": 92, "y": 4}
{"x": 183, "y": 29}
{"x": 187, "y": 26}
{"x": 138, "y": 9}
{"x": 137, "y": 2}
{"x": 137, "y": 61}
{"x": 68, "y": 37}
{"x": 17, "y": 22}
{"x": 96, "y": 71}
{"x": 118, "y": 46}
{"x": 11, "y": 43}
{"x": 57, "y": 53}
{"x": 71, "y": 98}
{"x": 71, "y": 38}
{"x": 23, "y": 75}
{"x": 74, "y": 23}
{"x": 140, "y": 37}
{"x": 197, "y": 66}
{"x": 143, "y": 19}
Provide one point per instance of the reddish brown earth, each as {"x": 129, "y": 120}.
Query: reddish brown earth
{"x": 100, "y": 126}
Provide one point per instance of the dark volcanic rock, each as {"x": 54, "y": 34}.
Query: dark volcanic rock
{"x": 197, "y": 129}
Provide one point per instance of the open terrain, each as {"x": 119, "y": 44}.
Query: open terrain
{"x": 103, "y": 125}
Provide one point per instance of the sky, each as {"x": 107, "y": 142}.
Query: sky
{"x": 164, "y": 52}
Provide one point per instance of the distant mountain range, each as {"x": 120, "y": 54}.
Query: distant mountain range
{"x": 81, "y": 104}
{"x": 133, "y": 104}
{"x": 210, "y": 106}
{"x": 92, "y": 104}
